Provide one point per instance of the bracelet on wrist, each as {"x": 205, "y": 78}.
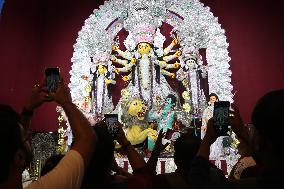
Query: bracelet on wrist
{"x": 26, "y": 112}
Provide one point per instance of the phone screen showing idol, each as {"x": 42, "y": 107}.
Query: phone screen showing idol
{"x": 221, "y": 114}
{"x": 111, "y": 122}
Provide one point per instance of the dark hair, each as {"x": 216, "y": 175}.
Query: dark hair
{"x": 186, "y": 148}
{"x": 50, "y": 163}
{"x": 267, "y": 117}
{"x": 10, "y": 132}
{"x": 136, "y": 48}
{"x": 101, "y": 163}
{"x": 173, "y": 97}
{"x": 214, "y": 94}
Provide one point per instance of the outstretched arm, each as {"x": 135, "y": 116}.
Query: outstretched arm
{"x": 126, "y": 68}
{"x": 170, "y": 47}
{"x": 37, "y": 98}
{"x": 84, "y": 136}
{"x": 125, "y": 55}
{"x": 209, "y": 138}
{"x": 119, "y": 61}
{"x": 135, "y": 159}
{"x": 238, "y": 126}
{"x": 159, "y": 147}
{"x": 171, "y": 57}
{"x": 172, "y": 66}
{"x": 204, "y": 120}
{"x": 167, "y": 73}
{"x": 153, "y": 115}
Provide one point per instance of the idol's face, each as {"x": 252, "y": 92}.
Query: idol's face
{"x": 144, "y": 48}
{"x": 169, "y": 101}
{"x": 137, "y": 108}
{"x": 185, "y": 95}
{"x": 191, "y": 62}
{"x": 101, "y": 69}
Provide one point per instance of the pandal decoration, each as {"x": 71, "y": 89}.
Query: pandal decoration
{"x": 124, "y": 45}
{"x": 147, "y": 50}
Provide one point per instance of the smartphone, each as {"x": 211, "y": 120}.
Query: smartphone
{"x": 111, "y": 121}
{"x": 172, "y": 135}
{"x": 220, "y": 117}
{"x": 52, "y": 77}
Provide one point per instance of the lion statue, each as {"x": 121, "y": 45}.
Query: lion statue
{"x": 135, "y": 117}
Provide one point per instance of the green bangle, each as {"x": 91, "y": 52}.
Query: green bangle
{"x": 26, "y": 112}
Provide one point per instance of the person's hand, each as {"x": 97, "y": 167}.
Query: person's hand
{"x": 159, "y": 146}
{"x": 235, "y": 119}
{"x": 177, "y": 54}
{"x": 62, "y": 94}
{"x": 203, "y": 128}
{"x": 121, "y": 138}
{"x": 175, "y": 41}
{"x": 211, "y": 134}
{"x": 115, "y": 47}
{"x": 37, "y": 98}
{"x": 237, "y": 124}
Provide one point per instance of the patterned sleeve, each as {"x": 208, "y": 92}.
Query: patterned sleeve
{"x": 67, "y": 174}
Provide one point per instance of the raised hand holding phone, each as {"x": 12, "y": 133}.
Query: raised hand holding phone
{"x": 52, "y": 78}
{"x": 220, "y": 117}
{"x": 111, "y": 121}
{"x": 172, "y": 135}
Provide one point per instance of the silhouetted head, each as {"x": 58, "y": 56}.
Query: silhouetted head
{"x": 186, "y": 148}
{"x": 267, "y": 118}
{"x": 15, "y": 152}
{"x": 101, "y": 164}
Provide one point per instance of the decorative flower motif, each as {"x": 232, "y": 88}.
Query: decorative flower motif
{"x": 87, "y": 99}
{"x": 125, "y": 93}
{"x": 186, "y": 107}
{"x": 88, "y": 88}
{"x": 95, "y": 42}
{"x": 125, "y": 78}
{"x": 185, "y": 95}
{"x": 60, "y": 118}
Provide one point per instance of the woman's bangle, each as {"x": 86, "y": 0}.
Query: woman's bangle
{"x": 26, "y": 112}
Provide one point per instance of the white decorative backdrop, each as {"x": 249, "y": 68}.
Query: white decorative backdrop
{"x": 198, "y": 28}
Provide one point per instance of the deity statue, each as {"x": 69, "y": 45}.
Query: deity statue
{"x": 103, "y": 80}
{"x": 142, "y": 52}
{"x": 143, "y": 65}
{"x": 137, "y": 129}
{"x": 165, "y": 116}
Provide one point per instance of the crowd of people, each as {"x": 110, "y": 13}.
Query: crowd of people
{"x": 90, "y": 162}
